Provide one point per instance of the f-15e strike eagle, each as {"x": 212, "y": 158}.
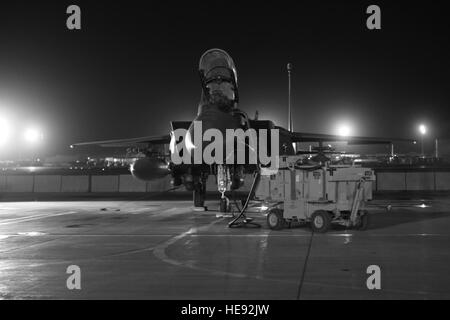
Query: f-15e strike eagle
{"x": 218, "y": 111}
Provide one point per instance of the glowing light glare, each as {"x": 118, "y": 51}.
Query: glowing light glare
{"x": 344, "y": 130}
{"x": 4, "y": 132}
{"x": 422, "y": 129}
{"x": 32, "y": 233}
{"x": 189, "y": 144}
{"x": 32, "y": 135}
{"x": 172, "y": 144}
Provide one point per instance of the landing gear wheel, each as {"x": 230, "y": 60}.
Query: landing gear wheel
{"x": 363, "y": 221}
{"x": 320, "y": 221}
{"x": 275, "y": 219}
{"x": 199, "y": 196}
{"x": 224, "y": 202}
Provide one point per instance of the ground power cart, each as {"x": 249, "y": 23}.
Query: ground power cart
{"x": 319, "y": 195}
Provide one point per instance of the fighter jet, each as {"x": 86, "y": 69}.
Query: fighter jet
{"x": 218, "y": 109}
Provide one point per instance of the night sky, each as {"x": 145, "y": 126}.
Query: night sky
{"x": 133, "y": 67}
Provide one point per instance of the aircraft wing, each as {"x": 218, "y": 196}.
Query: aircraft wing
{"x": 352, "y": 140}
{"x": 132, "y": 142}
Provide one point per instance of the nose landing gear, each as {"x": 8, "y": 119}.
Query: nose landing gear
{"x": 199, "y": 192}
{"x": 223, "y": 184}
{"x": 224, "y": 204}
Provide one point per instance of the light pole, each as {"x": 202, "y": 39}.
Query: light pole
{"x": 290, "y": 126}
{"x": 290, "y": 123}
{"x": 423, "y": 131}
{"x": 436, "y": 148}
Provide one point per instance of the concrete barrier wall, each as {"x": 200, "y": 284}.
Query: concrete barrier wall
{"x": 75, "y": 184}
{"x": 47, "y": 183}
{"x": 391, "y": 181}
{"x": 2, "y": 183}
{"x": 386, "y": 181}
{"x": 129, "y": 184}
{"x": 19, "y": 183}
{"x": 442, "y": 181}
{"x": 420, "y": 181}
{"x": 105, "y": 183}
{"x": 159, "y": 185}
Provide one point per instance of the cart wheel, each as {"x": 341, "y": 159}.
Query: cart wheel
{"x": 275, "y": 219}
{"x": 320, "y": 221}
{"x": 363, "y": 221}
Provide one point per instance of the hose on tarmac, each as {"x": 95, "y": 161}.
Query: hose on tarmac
{"x": 241, "y": 220}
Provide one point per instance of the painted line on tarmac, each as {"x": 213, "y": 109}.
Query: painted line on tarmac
{"x": 160, "y": 253}
{"x": 228, "y": 235}
{"x": 6, "y": 221}
{"x": 35, "y": 217}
